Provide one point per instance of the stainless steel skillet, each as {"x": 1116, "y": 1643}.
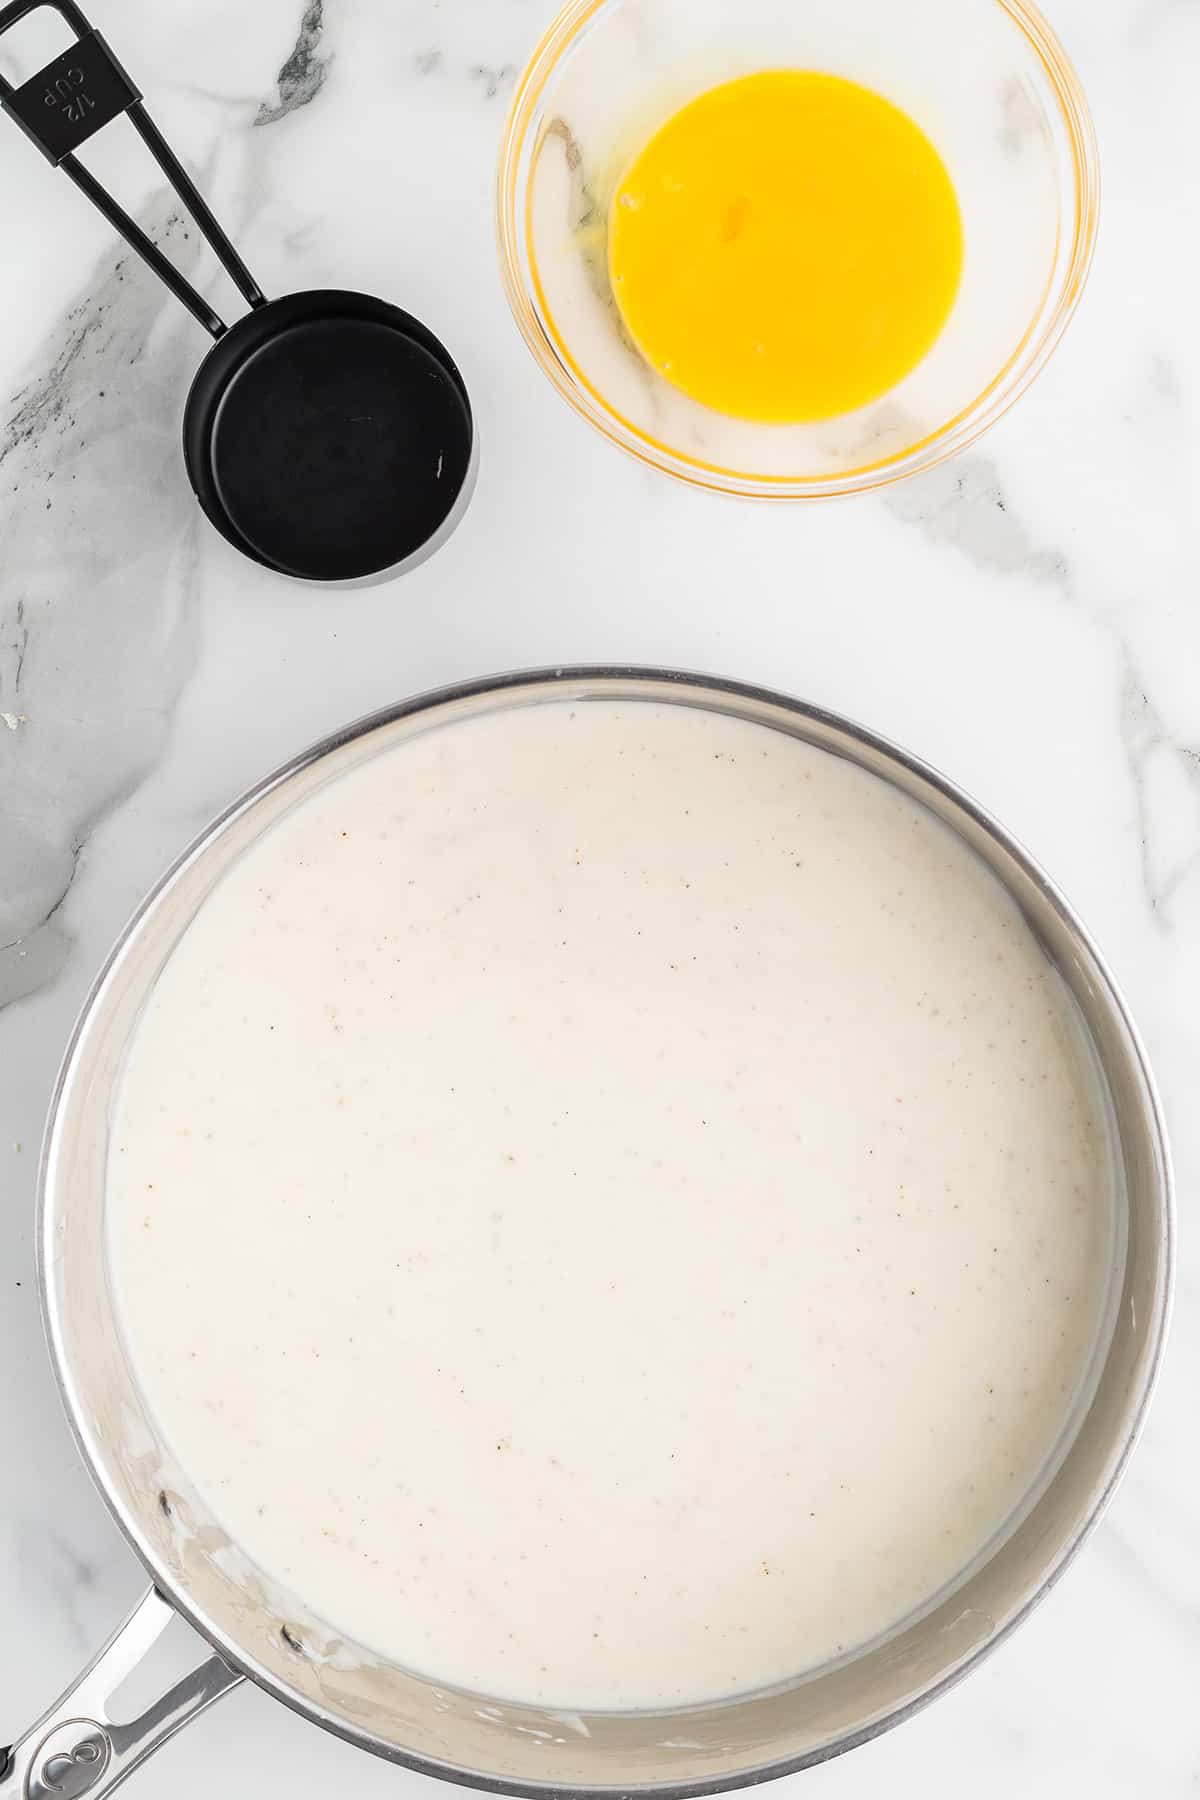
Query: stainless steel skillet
{"x": 249, "y": 1627}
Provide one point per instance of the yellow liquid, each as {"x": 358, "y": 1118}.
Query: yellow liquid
{"x": 786, "y": 247}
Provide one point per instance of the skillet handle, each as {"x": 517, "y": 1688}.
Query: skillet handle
{"x": 77, "y": 1748}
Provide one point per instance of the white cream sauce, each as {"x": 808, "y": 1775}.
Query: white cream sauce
{"x": 610, "y": 1205}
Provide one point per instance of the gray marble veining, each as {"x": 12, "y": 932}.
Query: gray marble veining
{"x": 302, "y": 76}
{"x": 98, "y": 535}
{"x": 962, "y": 504}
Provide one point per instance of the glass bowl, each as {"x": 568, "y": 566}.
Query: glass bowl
{"x": 985, "y": 79}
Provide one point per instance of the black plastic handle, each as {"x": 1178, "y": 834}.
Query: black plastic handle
{"x": 74, "y": 97}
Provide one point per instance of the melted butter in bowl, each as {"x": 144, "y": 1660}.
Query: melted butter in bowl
{"x": 786, "y": 247}
{"x": 611, "y": 1204}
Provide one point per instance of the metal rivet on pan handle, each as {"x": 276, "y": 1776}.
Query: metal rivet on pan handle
{"x": 78, "y": 1748}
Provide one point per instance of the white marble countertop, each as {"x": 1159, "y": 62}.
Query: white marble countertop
{"x": 1027, "y": 617}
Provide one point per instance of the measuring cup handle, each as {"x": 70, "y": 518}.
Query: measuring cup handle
{"x": 77, "y": 1748}
{"x": 73, "y": 98}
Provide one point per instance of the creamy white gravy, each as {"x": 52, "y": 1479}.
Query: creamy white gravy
{"x": 610, "y": 1205}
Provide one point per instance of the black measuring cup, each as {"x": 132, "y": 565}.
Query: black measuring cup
{"x": 327, "y": 434}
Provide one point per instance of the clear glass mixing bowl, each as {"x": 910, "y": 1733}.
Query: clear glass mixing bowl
{"x": 985, "y": 79}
